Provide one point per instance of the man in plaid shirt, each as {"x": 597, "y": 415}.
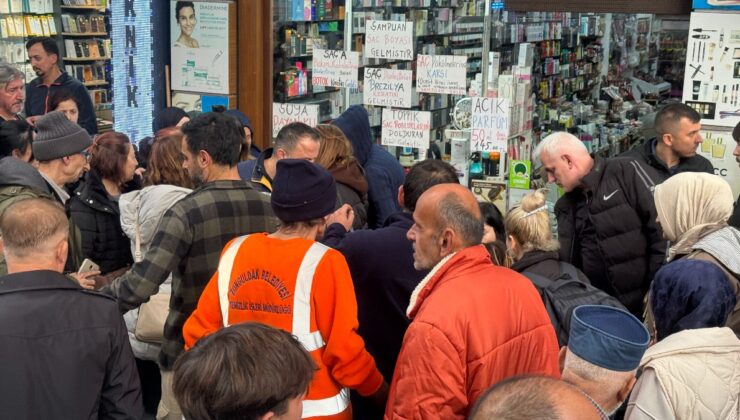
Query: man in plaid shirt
{"x": 192, "y": 234}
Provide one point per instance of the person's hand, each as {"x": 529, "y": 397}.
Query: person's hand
{"x": 86, "y": 280}
{"x": 345, "y": 216}
{"x": 140, "y": 172}
{"x": 32, "y": 120}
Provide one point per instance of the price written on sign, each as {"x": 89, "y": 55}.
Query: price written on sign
{"x": 385, "y": 87}
{"x": 489, "y": 125}
{"x": 391, "y": 40}
{"x": 335, "y": 68}
{"x": 284, "y": 114}
{"x": 406, "y": 128}
{"x": 441, "y": 74}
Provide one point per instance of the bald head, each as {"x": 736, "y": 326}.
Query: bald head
{"x": 456, "y": 209}
{"x": 446, "y": 220}
{"x": 534, "y": 397}
{"x": 34, "y": 233}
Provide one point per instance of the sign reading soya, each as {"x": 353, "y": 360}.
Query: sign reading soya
{"x": 441, "y": 74}
{"x": 284, "y": 114}
{"x": 388, "y": 39}
{"x": 489, "y": 126}
{"x": 335, "y": 68}
{"x": 406, "y": 128}
{"x": 386, "y": 87}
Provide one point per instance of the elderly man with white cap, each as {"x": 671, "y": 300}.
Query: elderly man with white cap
{"x": 604, "y": 350}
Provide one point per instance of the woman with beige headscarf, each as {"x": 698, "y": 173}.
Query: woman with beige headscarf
{"x": 693, "y": 209}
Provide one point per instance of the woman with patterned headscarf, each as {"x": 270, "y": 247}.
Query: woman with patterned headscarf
{"x": 692, "y": 372}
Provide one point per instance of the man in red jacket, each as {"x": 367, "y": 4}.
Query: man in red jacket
{"x": 473, "y": 323}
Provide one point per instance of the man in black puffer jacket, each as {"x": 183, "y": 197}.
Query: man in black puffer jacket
{"x": 606, "y": 219}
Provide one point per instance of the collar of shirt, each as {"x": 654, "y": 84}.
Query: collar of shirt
{"x": 63, "y": 196}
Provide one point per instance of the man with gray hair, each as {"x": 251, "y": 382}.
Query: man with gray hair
{"x": 472, "y": 323}
{"x": 12, "y": 92}
{"x": 606, "y": 218}
{"x": 294, "y": 141}
{"x": 64, "y": 351}
{"x": 604, "y": 350}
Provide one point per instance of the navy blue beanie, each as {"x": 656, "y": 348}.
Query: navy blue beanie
{"x": 688, "y": 294}
{"x": 302, "y": 191}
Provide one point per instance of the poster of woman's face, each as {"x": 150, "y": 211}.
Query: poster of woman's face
{"x": 185, "y": 26}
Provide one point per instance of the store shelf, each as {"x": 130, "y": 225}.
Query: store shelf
{"x": 74, "y": 59}
{"x": 84, "y": 34}
{"x": 70, "y": 7}
{"x": 96, "y": 83}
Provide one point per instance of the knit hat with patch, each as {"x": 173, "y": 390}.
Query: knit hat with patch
{"x": 57, "y": 137}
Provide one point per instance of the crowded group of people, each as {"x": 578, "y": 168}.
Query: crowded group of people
{"x": 195, "y": 276}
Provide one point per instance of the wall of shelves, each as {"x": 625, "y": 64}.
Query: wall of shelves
{"x": 87, "y": 51}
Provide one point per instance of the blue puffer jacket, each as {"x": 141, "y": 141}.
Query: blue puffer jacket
{"x": 383, "y": 172}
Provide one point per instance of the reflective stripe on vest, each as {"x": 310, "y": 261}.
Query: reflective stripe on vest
{"x": 328, "y": 406}
{"x": 301, "y": 328}
{"x": 225, "y": 265}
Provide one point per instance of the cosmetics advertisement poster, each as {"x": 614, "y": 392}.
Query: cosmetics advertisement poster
{"x": 717, "y": 146}
{"x": 199, "y": 33}
{"x": 712, "y": 81}
{"x": 717, "y": 4}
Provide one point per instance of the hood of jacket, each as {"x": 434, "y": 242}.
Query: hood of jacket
{"x": 352, "y": 176}
{"x": 450, "y": 266}
{"x": 533, "y": 258}
{"x": 355, "y": 124}
{"x": 17, "y": 172}
{"x": 147, "y": 205}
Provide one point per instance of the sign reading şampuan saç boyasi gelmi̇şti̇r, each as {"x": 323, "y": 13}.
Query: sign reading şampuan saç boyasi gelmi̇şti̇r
{"x": 390, "y": 40}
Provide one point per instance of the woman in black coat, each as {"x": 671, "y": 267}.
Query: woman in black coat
{"x": 94, "y": 204}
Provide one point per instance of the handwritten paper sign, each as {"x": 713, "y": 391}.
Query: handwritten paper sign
{"x": 385, "y": 87}
{"x": 406, "y": 128}
{"x": 489, "y": 124}
{"x": 441, "y": 74}
{"x": 335, "y": 68}
{"x": 388, "y": 39}
{"x": 284, "y": 114}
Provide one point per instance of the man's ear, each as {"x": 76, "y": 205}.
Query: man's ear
{"x": 624, "y": 393}
{"x": 2, "y": 245}
{"x": 667, "y": 139}
{"x": 204, "y": 159}
{"x": 561, "y": 358}
{"x": 446, "y": 241}
{"x": 61, "y": 252}
{"x": 401, "y": 197}
{"x": 280, "y": 154}
{"x": 269, "y": 416}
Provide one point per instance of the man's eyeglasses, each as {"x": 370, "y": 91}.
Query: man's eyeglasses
{"x": 86, "y": 154}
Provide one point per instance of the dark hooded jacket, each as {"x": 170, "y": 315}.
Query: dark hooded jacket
{"x": 607, "y": 229}
{"x": 383, "y": 172}
{"x": 352, "y": 190}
